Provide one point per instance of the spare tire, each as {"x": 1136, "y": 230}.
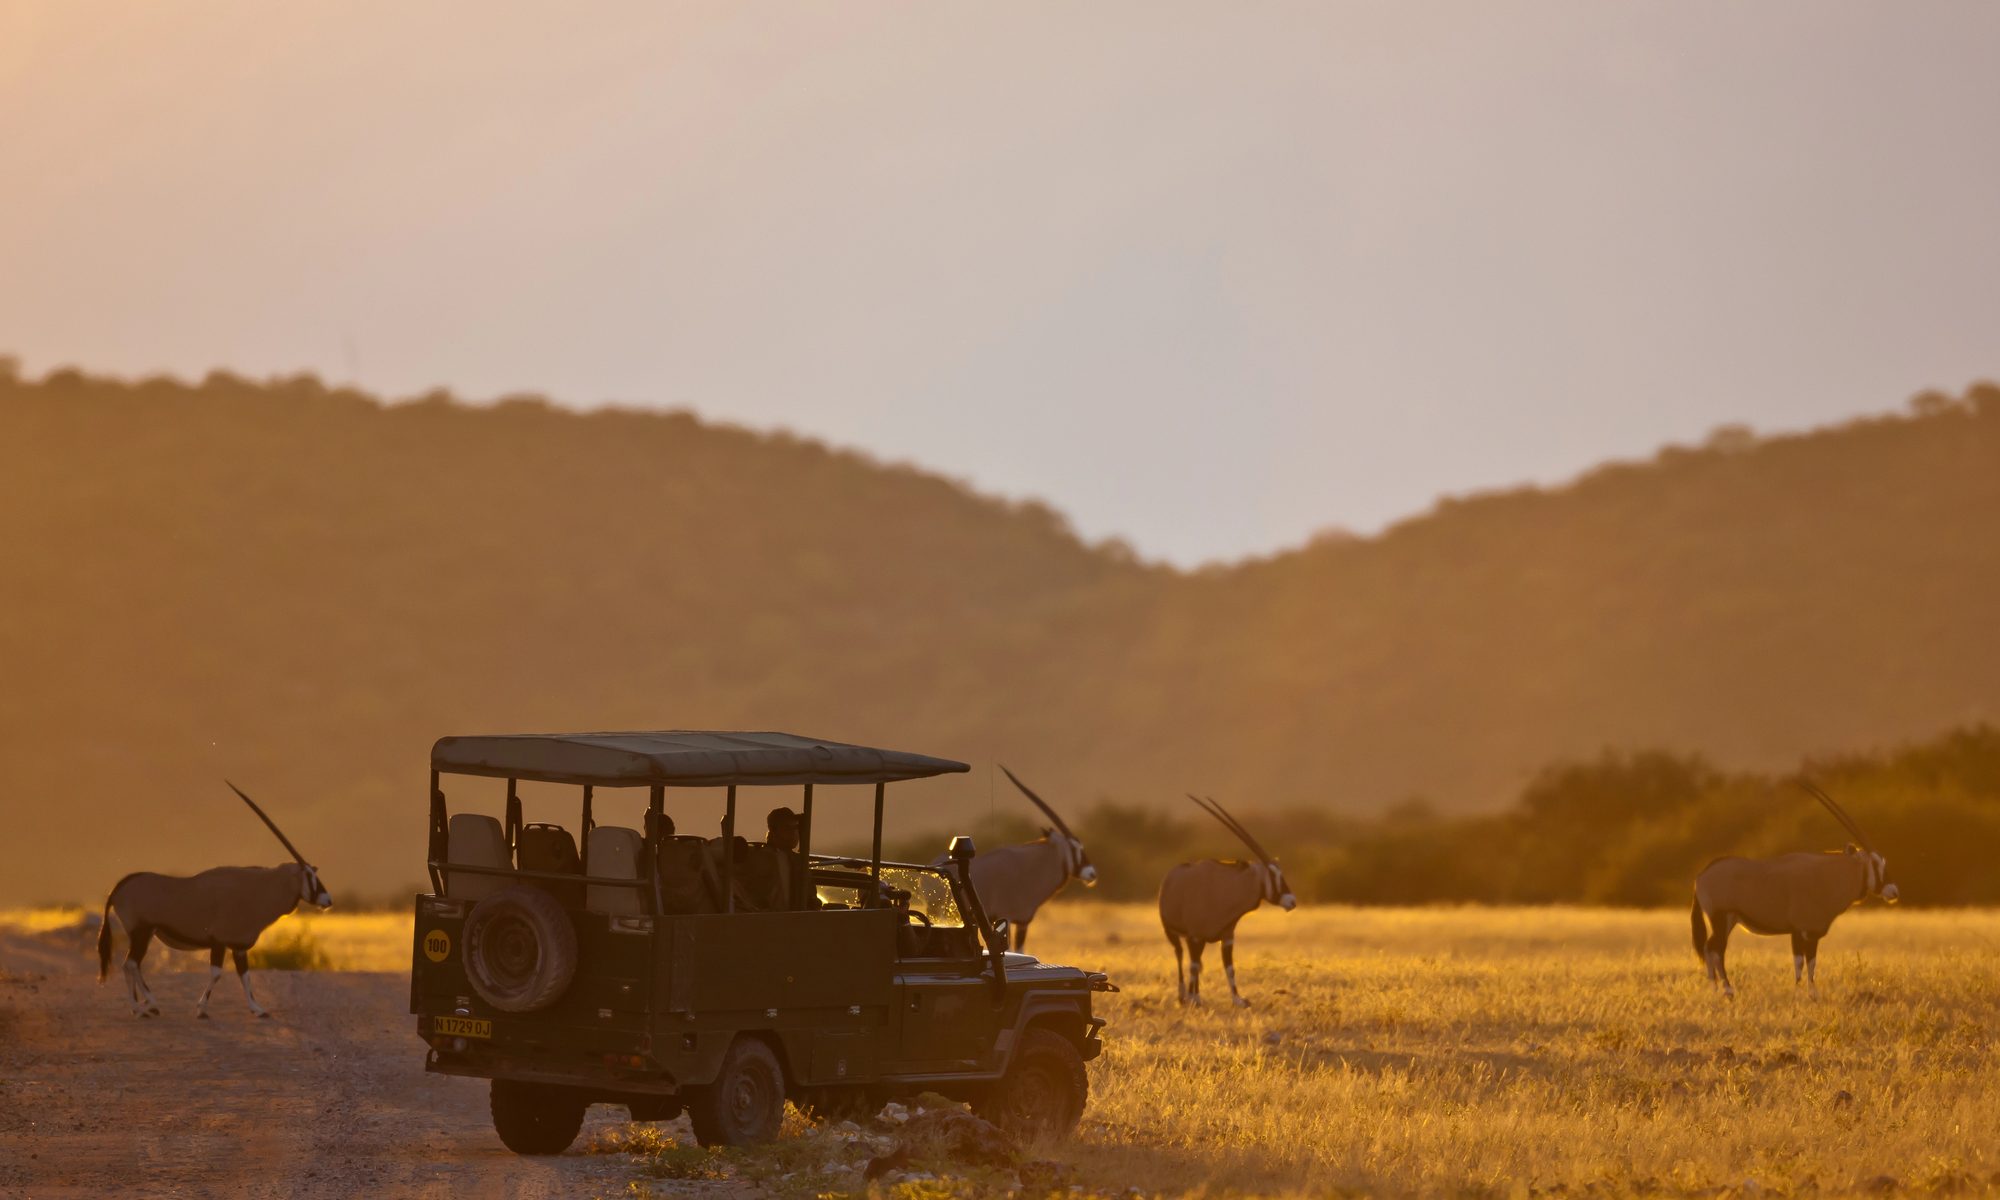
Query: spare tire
{"x": 520, "y": 949}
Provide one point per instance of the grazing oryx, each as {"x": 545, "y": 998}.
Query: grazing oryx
{"x": 1798, "y": 893}
{"x": 226, "y": 908}
{"x": 1202, "y": 901}
{"x": 1014, "y": 882}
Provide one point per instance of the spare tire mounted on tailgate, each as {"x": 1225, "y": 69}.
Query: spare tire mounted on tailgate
{"x": 520, "y": 949}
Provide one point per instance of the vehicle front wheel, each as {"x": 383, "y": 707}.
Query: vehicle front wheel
{"x": 1044, "y": 1090}
{"x": 536, "y": 1118}
{"x": 746, "y": 1103}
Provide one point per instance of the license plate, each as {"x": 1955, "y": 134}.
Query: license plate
{"x": 476, "y": 1027}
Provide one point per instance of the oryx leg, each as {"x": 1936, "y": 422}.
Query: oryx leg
{"x": 242, "y": 957}
{"x": 1229, "y": 968}
{"x": 1718, "y": 951}
{"x": 1195, "y": 947}
{"x": 1180, "y": 974}
{"x": 1020, "y": 936}
{"x": 1798, "y": 959}
{"x": 1812, "y": 961}
{"x": 214, "y": 973}
{"x": 140, "y": 937}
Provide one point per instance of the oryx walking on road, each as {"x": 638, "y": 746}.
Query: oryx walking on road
{"x": 1014, "y": 882}
{"x": 223, "y": 909}
{"x": 1799, "y": 894}
{"x": 1201, "y": 902}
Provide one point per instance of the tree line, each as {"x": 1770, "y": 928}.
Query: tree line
{"x": 1623, "y": 828}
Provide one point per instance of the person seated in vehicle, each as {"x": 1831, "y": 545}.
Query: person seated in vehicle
{"x": 781, "y": 835}
{"x": 781, "y": 829}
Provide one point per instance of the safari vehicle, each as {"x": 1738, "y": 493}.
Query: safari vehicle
{"x": 721, "y": 976}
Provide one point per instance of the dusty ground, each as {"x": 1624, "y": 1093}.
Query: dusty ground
{"x": 326, "y": 1098}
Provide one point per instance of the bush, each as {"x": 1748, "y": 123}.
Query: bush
{"x": 294, "y": 949}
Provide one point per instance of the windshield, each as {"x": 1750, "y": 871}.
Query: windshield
{"x": 930, "y": 894}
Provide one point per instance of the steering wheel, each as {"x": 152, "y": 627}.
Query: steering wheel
{"x": 911, "y": 914}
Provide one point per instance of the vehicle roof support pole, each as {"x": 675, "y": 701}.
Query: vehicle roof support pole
{"x": 440, "y": 836}
{"x": 656, "y": 809}
{"x": 875, "y": 867}
{"x": 513, "y": 812}
{"x": 801, "y": 869}
{"x": 583, "y": 852}
{"x": 729, "y": 852}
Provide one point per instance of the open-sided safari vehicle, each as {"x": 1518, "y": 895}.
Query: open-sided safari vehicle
{"x": 722, "y": 976}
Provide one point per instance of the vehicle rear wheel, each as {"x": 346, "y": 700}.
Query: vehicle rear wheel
{"x": 536, "y": 1118}
{"x": 520, "y": 949}
{"x": 1043, "y": 1091}
{"x": 746, "y": 1103}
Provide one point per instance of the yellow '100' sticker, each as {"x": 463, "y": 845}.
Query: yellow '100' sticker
{"x": 437, "y": 945}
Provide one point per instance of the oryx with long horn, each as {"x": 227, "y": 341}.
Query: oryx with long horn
{"x": 1201, "y": 902}
{"x": 1799, "y": 894}
{"x": 1014, "y": 882}
{"x": 221, "y": 910}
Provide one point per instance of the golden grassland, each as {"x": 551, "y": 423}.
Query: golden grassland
{"x": 1512, "y": 1052}
{"x": 1439, "y": 1050}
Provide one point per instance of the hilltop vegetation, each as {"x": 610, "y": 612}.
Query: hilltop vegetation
{"x": 299, "y": 587}
{"x": 1621, "y": 829}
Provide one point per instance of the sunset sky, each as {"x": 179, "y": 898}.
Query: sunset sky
{"x": 1206, "y": 277}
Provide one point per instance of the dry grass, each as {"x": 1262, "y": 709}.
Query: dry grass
{"x": 41, "y": 920}
{"x": 1510, "y": 1051}
{"x": 305, "y": 940}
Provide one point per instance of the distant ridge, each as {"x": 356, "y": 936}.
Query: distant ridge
{"x": 302, "y": 586}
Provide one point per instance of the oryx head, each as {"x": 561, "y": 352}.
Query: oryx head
{"x": 1874, "y": 868}
{"x": 1076, "y": 862}
{"x": 311, "y": 890}
{"x": 1875, "y": 873}
{"x": 1277, "y": 889}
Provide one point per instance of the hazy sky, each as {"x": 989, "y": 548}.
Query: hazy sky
{"x": 1206, "y": 277}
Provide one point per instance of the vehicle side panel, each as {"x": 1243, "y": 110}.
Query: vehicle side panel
{"x": 751, "y": 962}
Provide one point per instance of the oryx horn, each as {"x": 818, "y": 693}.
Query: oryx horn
{"x": 1039, "y": 802}
{"x": 278, "y": 833}
{"x": 1839, "y": 813}
{"x": 1214, "y": 809}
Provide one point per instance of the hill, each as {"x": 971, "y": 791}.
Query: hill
{"x": 300, "y": 587}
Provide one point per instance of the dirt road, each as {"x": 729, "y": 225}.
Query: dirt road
{"x": 326, "y": 1098}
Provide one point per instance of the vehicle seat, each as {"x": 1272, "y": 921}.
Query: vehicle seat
{"x": 682, "y": 889}
{"x": 550, "y": 848}
{"x": 476, "y": 841}
{"x": 760, "y": 878}
{"x": 711, "y": 868}
{"x": 614, "y": 854}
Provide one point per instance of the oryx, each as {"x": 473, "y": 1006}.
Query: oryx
{"x": 1014, "y": 882}
{"x": 1799, "y": 894}
{"x": 223, "y": 909}
{"x": 1202, "y": 901}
